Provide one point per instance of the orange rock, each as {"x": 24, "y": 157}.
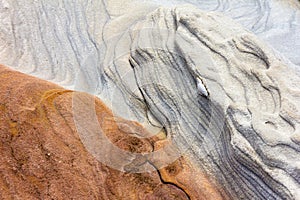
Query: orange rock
{"x": 42, "y": 156}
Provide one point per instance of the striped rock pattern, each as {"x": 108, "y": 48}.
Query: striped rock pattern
{"x": 227, "y": 100}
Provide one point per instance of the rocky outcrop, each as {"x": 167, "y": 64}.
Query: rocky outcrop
{"x": 210, "y": 87}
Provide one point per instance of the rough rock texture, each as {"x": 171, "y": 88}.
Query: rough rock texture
{"x": 42, "y": 157}
{"x": 222, "y": 96}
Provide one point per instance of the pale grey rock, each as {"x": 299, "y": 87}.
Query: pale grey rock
{"x": 53, "y": 40}
{"x": 243, "y": 132}
{"x": 155, "y": 64}
{"x": 277, "y": 22}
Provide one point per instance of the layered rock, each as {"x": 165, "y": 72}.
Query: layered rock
{"x": 53, "y": 40}
{"x": 245, "y": 132}
{"x": 223, "y": 97}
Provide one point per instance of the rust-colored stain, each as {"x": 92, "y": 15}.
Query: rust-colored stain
{"x": 13, "y": 128}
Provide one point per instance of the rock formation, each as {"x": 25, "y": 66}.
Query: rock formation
{"x": 221, "y": 90}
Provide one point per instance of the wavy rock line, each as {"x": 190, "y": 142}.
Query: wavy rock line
{"x": 245, "y": 133}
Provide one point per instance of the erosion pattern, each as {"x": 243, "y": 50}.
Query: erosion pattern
{"x": 245, "y": 132}
{"x": 53, "y": 40}
{"x": 226, "y": 99}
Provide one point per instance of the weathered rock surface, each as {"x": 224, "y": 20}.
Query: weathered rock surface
{"x": 53, "y": 40}
{"x": 223, "y": 97}
{"x": 42, "y": 156}
{"x": 246, "y": 131}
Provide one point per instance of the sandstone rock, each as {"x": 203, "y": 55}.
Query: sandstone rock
{"x": 226, "y": 99}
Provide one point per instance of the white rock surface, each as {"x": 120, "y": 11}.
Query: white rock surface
{"x": 153, "y": 63}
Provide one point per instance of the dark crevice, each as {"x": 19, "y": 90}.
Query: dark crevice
{"x": 169, "y": 183}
